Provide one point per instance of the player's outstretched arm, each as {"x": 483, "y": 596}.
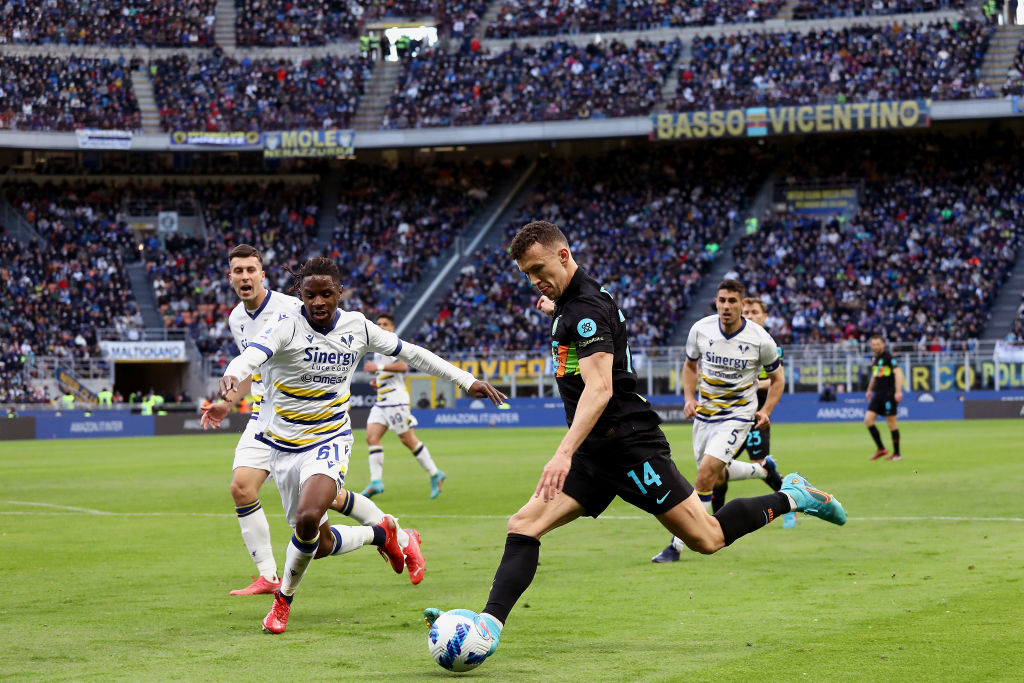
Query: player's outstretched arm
{"x": 432, "y": 364}
{"x": 242, "y": 367}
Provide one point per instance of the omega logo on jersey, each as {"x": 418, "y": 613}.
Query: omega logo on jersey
{"x": 737, "y": 363}
{"x": 315, "y": 355}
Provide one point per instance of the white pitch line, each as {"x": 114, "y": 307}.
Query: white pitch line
{"x": 69, "y": 510}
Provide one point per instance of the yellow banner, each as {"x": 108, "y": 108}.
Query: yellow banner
{"x": 793, "y": 120}
{"x": 491, "y": 368}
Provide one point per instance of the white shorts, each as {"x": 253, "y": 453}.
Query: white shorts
{"x": 396, "y": 418}
{"x": 291, "y": 470}
{"x": 252, "y": 453}
{"x": 720, "y": 440}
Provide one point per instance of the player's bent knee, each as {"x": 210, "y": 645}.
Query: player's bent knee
{"x": 524, "y": 523}
{"x": 243, "y": 492}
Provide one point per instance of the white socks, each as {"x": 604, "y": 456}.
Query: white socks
{"x": 256, "y": 534}
{"x": 349, "y": 538}
{"x": 297, "y": 558}
{"x": 745, "y": 470}
{"x": 423, "y": 458}
{"x": 364, "y": 510}
{"x": 376, "y": 463}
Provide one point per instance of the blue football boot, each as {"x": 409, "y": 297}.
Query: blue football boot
{"x": 812, "y": 501}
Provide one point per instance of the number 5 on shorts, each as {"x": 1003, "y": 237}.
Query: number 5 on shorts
{"x": 650, "y": 477}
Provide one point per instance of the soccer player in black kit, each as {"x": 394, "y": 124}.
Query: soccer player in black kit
{"x": 614, "y": 445}
{"x": 885, "y": 391}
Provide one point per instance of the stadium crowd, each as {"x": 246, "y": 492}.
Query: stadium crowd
{"x": 556, "y": 81}
{"x": 155, "y": 23}
{"x": 189, "y": 274}
{"x": 59, "y": 291}
{"x": 939, "y": 60}
{"x": 67, "y": 93}
{"x": 935, "y": 236}
{"x": 393, "y": 224}
{"x": 519, "y": 18}
{"x": 814, "y": 9}
{"x": 218, "y": 93}
{"x": 274, "y": 24}
{"x": 646, "y": 222}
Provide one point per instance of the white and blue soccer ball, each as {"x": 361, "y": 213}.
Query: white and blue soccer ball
{"x": 458, "y": 640}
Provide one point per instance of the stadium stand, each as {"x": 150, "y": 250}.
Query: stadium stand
{"x": 1015, "y": 74}
{"x": 67, "y": 93}
{"x": 938, "y": 230}
{"x": 646, "y": 222}
{"x": 1017, "y": 331}
{"x": 938, "y": 60}
{"x": 392, "y": 225}
{"x": 189, "y": 274}
{"x": 219, "y": 93}
{"x": 156, "y": 23}
{"x": 811, "y": 9}
{"x": 264, "y": 23}
{"x": 60, "y": 292}
{"x": 520, "y": 18}
{"x": 556, "y": 81}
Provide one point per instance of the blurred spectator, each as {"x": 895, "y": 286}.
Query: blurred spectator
{"x": 940, "y": 60}
{"x": 58, "y": 293}
{"x": 66, "y": 93}
{"x": 637, "y": 221}
{"x": 556, "y": 81}
{"x": 223, "y": 94}
{"x": 828, "y": 394}
{"x": 814, "y": 9}
{"x": 393, "y": 224}
{"x": 189, "y": 274}
{"x": 518, "y": 18}
{"x": 158, "y": 23}
{"x": 299, "y": 22}
{"x": 938, "y": 228}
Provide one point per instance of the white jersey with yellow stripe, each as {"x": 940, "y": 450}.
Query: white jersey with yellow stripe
{"x": 246, "y": 324}
{"x": 391, "y": 389}
{"x": 310, "y": 368}
{"x": 729, "y": 366}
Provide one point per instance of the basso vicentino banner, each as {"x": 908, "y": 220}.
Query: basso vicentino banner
{"x": 794, "y": 120}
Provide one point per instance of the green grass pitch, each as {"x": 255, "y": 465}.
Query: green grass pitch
{"x": 118, "y": 555}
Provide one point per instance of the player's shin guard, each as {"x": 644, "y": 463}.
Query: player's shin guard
{"x": 745, "y": 470}
{"x": 422, "y": 456}
{"x": 376, "y": 463}
{"x": 515, "y": 574}
{"x": 297, "y": 558}
{"x": 740, "y": 516}
{"x": 362, "y": 509}
{"x": 256, "y": 534}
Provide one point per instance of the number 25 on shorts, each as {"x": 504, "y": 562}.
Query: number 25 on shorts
{"x": 651, "y": 478}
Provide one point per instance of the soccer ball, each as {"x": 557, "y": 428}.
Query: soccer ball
{"x": 458, "y": 641}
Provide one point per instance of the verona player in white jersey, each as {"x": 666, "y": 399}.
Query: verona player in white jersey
{"x": 259, "y": 307}
{"x": 728, "y": 351}
{"x": 724, "y": 355}
{"x": 308, "y": 360}
{"x": 391, "y": 411}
